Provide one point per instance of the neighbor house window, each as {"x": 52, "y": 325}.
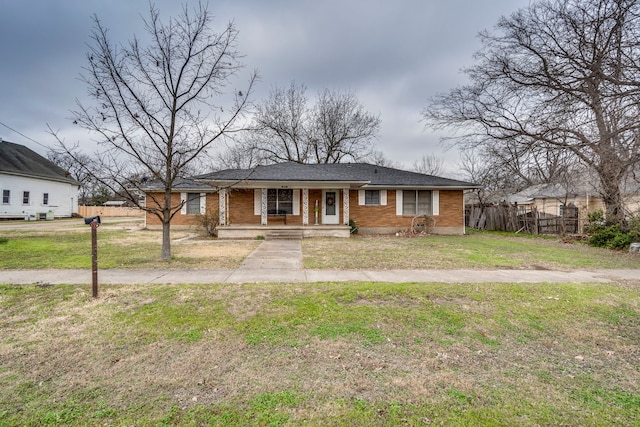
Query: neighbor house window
{"x": 416, "y": 202}
{"x": 6, "y": 197}
{"x": 193, "y": 203}
{"x": 45, "y": 198}
{"x": 279, "y": 201}
{"x": 372, "y": 197}
{"x": 25, "y": 197}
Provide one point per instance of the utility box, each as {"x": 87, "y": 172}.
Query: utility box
{"x": 50, "y": 216}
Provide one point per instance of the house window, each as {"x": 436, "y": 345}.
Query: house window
{"x": 372, "y": 197}
{"x": 45, "y": 198}
{"x": 193, "y": 203}
{"x": 561, "y": 208}
{"x": 25, "y": 197}
{"x": 279, "y": 201}
{"x": 6, "y": 197}
{"x": 416, "y": 202}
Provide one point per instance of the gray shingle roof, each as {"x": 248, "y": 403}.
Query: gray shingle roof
{"x": 364, "y": 173}
{"x": 19, "y": 160}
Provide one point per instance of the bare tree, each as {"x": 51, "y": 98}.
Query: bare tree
{"x": 286, "y": 128}
{"x": 477, "y": 167}
{"x": 429, "y": 164}
{"x": 280, "y": 126}
{"x": 77, "y": 166}
{"x": 341, "y": 129}
{"x": 242, "y": 155}
{"x": 557, "y": 76}
{"x": 157, "y": 107}
{"x": 378, "y": 158}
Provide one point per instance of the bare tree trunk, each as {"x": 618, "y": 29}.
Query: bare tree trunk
{"x": 166, "y": 225}
{"x": 612, "y": 198}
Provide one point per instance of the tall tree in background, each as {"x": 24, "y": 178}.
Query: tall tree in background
{"x": 558, "y": 76}
{"x": 157, "y": 107}
{"x": 341, "y": 129}
{"x": 280, "y": 129}
{"x": 429, "y": 164}
{"x": 494, "y": 181}
{"x": 286, "y": 129}
{"x": 77, "y": 165}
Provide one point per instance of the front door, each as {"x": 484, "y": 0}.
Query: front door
{"x": 331, "y": 207}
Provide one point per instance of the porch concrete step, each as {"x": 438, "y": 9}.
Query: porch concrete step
{"x": 283, "y": 235}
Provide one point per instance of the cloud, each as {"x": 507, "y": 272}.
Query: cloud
{"x": 394, "y": 55}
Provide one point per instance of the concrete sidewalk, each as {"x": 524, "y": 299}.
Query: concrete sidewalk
{"x": 281, "y": 261}
{"x": 287, "y": 275}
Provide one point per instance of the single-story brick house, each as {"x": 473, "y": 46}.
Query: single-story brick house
{"x": 320, "y": 199}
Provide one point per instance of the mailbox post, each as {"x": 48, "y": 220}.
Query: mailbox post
{"x": 94, "y": 222}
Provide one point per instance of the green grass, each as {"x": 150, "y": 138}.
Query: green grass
{"x": 71, "y": 249}
{"x": 141, "y": 249}
{"x": 476, "y": 250}
{"x": 116, "y": 249}
{"x": 363, "y": 354}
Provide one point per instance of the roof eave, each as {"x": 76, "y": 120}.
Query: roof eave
{"x": 63, "y": 180}
{"x": 424, "y": 187}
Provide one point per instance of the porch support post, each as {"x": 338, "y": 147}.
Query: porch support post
{"x": 222, "y": 206}
{"x": 263, "y": 206}
{"x": 305, "y": 206}
{"x": 345, "y": 205}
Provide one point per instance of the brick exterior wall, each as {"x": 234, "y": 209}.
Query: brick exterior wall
{"x": 451, "y": 212}
{"x": 240, "y": 207}
{"x": 178, "y": 219}
{"x": 240, "y": 210}
{"x": 451, "y": 209}
{"x": 376, "y": 216}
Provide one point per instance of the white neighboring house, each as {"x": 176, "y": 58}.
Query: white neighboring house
{"x": 32, "y": 187}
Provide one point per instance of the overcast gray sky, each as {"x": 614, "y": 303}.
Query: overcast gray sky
{"x": 394, "y": 55}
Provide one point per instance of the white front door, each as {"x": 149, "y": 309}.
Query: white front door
{"x": 331, "y": 207}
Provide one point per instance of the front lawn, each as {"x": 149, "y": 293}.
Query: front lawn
{"x": 477, "y": 250}
{"x": 117, "y": 248}
{"x": 356, "y": 354}
{"x": 123, "y": 248}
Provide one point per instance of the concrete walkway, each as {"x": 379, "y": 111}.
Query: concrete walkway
{"x": 281, "y": 261}
{"x": 275, "y": 255}
{"x": 250, "y": 275}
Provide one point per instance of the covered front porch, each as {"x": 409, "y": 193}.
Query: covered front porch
{"x": 272, "y": 210}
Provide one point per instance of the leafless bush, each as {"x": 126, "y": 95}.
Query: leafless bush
{"x": 209, "y": 222}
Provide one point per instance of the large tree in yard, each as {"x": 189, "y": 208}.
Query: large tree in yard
{"x": 285, "y": 128}
{"x": 158, "y": 105}
{"x": 561, "y": 76}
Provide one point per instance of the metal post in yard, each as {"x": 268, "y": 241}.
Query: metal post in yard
{"x": 94, "y": 222}
{"x": 94, "y": 258}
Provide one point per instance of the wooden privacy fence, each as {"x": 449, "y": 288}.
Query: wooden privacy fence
{"x": 521, "y": 219}
{"x": 109, "y": 211}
